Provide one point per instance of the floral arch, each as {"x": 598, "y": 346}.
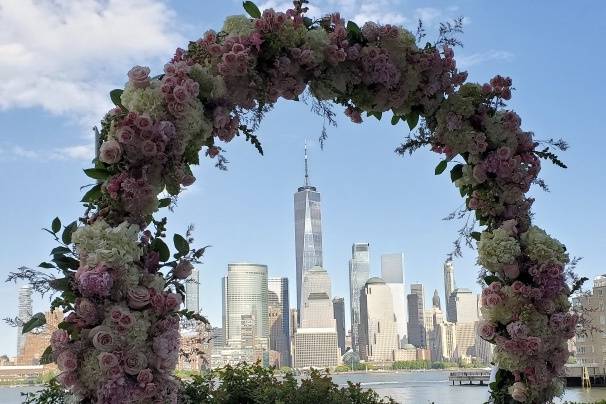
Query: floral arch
{"x": 122, "y": 288}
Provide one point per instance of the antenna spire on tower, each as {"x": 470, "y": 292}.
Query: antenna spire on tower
{"x": 306, "y": 171}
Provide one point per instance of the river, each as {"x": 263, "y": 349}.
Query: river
{"x": 404, "y": 387}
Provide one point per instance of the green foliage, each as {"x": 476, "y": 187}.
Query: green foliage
{"x": 441, "y": 167}
{"x": 116, "y": 97}
{"x": 37, "y": 320}
{"x": 161, "y": 248}
{"x": 248, "y": 384}
{"x": 181, "y": 244}
{"x": 93, "y": 194}
{"x": 416, "y": 364}
{"x": 56, "y": 225}
{"x": 52, "y": 394}
{"x": 252, "y": 9}
{"x": 97, "y": 173}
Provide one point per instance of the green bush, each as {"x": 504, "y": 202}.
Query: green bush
{"x": 254, "y": 384}
{"x": 411, "y": 365}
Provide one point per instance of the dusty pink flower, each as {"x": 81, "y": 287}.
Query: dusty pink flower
{"x": 59, "y": 340}
{"x": 512, "y": 271}
{"x": 183, "y": 269}
{"x": 110, "y": 152}
{"x": 67, "y": 361}
{"x": 173, "y": 301}
{"x": 487, "y": 330}
{"x": 145, "y": 376}
{"x": 138, "y": 297}
{"x": 107, "y": 360}
{"x": 188, "y": 180}
{"x": 493, "y": 299}
{"x": 67, "y": 379}
{"x": 96, "y": 282}
{"x": 127, "y": 320}
{"x": 87, "y": 310}
{"x": 102, "y": 338}
{"x": 134, "y": 362}
{"x": 138, "y": 76}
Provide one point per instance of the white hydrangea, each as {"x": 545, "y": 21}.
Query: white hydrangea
{"x": 496, "y": 249}
{"x": 317, "y": 40}
{"x": 541, "y": 247}
{"x": 99, "y": 243}
{"x": 497, "y": 314}
{"x": 127, "y": 279}
{"x": 136, "y": 336}
{"x": 145, "y": 100}
{"x": 154, "y": 281}
{"x": 211, "y": 86}
{"x": 89, "y": 370}
{"x": 193, "y": 122}
{"x": 238, "y": 25}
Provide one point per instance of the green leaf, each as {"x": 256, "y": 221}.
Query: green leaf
{"x": 161, "y": 248}
{"x": 252, "y": 9}
{"x": 353, "y": 27}
{"x": 490, "y": 279}
{"x": 181, "y": 244}
{"x": 476, "y": 235}
{"x": 394, "y": 119}
{"x": 97, "y": 173}
{"x": 463, "y": 191}
{"x": 47, "y": 356}
{"x": 66, "y": 263}
{"x": 116, "y": 97}
{"x": 66, "y": 237}
{"x": 37, "y": 320}
{"x": 441, "y": 167}
{"x": 46, "y": 265}
{"x": 412, "y": 119}
{"x": 60, "y": 250}
{"x": 60, "y": 284}
{"x": 56, "y": 225}
{"x": 93, "y": 194}
{"x": 164, "y": 202}
{"x": 456, "y": 172}
{"x": 307, "y": 21}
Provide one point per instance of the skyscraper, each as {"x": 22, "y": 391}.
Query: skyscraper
{"x": 449, "y": 287}
{"x": 464, "y": 306}
{"x": 392, "y": 272}
{"x": 378, "y": 331}
{"x": 338, "y": 307}
{"x": 24, "y": 314}
{"x": 435, "y": 301}
{"x": 308, "y": 232}
{"x": 192, "y": 291}
{"x": 316, "y": 339}
{"x": 416, "y": 311}
{"x": 247, "y": 303}
{"x": 224, "y": 324}
{"x": 359, "y": 272}
{"x": 279, "y": 339}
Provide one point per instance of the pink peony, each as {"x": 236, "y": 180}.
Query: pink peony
{"x": 138, "y": 76}
{"x": 102, "y": 338}
{"x": 67, "y": 361}
{"x": 110, "y": 152}
{"x": 138, "y": 297}
{"x": 86, "y": 310}
{"x": 517, "y": 287}
{"x": 183, "y": 269}
{"x": 107, "y": 360}
{"x": 157, "y": 302}
{"x": 95, "y": 282}
{"x": 125, "y": 134}
{"x": 134, "y": 362}
{"x": 493, "y": 300}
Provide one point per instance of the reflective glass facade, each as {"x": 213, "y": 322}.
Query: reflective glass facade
{"x": 359, "y": 272}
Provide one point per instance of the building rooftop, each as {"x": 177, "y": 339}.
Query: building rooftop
{"x": 375, "y": 280}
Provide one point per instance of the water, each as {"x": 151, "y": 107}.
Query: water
{"x": 404, "y": 387}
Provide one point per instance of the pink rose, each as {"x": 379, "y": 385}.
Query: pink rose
{"x": 67, "y": 361}
{"x": 511, "y": 271}
{"x": 173, "y": 301}
{"x": 510, "y": 226}
{"x": 519, "y": 392}
{"x": 115, "y": 314}
{"x": 125, "y": 134}
{"x": 86, "y": 310}
{"x": 150, "y": 388}
{"x": 157, "y": 302}
{"x": 181, "y": 94}
{"x": 148, "y": 148}
{"x": 134, "y": 363}
{"x": 59, "y": 340}
{"x": 144, "y": 122}
{"x": 110, "y": 152}
{"x": 517, "y": 287}
{"x": 493, "y": 300}
{"x": 183, "y": 269}
{"x": 95, "y": 282}
{"x": 138, "y": 76}
{"x": 67, "y": 379}
{"x": 107, "y": 360}
{"x": 487, "y": 330}
{"x": 114, "y": 373}
{"x": 138, "y": 297}
{"x": 127, "y": 320}
{"x": 495, "y": 287}
{"x": 145, "y": 376}
{"x": 102, "y": 338}
{"x": 533, "y": 344}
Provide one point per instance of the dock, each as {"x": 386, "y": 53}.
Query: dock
{"x": 469, "y": 377}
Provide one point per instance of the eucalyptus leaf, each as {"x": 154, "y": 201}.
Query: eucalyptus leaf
{"x": 37, "y": 320}
{"x": 66, "y": 237}
{"x": 56, "y": 225}
{"x": 93, "y": 194}
{"x": 441, "y": 167}
{"x": 161, "y": 248}
{"x": 181, "y": 244}
{"x": 97, "y": 173}
{"x": 252, "y": 9}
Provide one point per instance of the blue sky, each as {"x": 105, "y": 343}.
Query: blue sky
{"x": 58, "y": 62}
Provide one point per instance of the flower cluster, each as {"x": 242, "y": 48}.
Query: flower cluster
{"x": 122, "y": 339}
